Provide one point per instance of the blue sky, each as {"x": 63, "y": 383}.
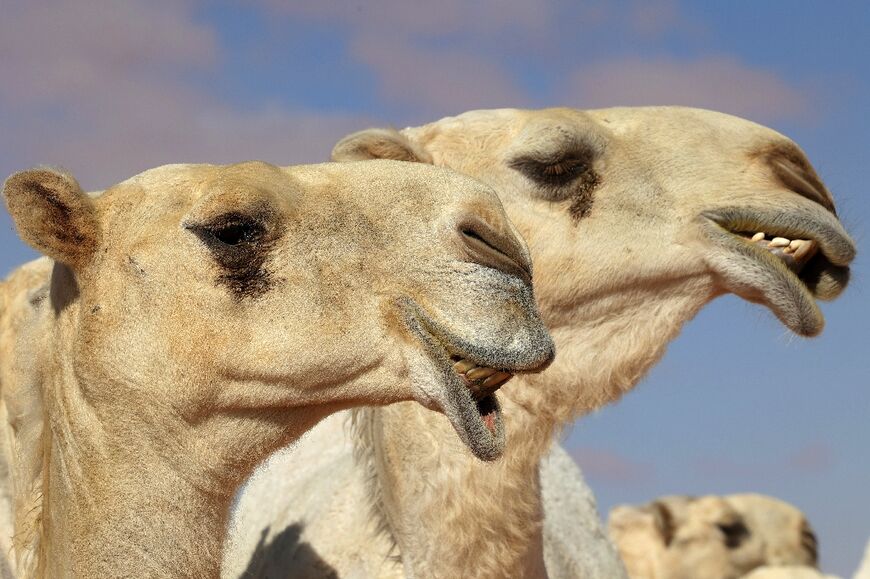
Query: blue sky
{"x": 108, "y": 89}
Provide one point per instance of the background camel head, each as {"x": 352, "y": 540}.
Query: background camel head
{"x": 668, "y": 199}
{"x": 246, "y": 290}
{"x": 711, "y": 537}
{"x": 788, "y": 537}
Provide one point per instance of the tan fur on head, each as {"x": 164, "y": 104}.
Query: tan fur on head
{"x": 198, "y": 317}
{"x": 710, "y": 537}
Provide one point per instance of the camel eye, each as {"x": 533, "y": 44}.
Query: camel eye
{"x": 232, "y": 229}
{"x": 553, "y": 172}
{"x": 236, "y": 233}
{"x": 735, "y": 533}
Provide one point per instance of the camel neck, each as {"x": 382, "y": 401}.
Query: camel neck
{"x": 431, "y": 488}
{"x": 134, "y": 491}
{"x": 119, "y": 501}
{"x": 129, "y": 518}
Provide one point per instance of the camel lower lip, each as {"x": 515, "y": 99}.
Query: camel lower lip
{"x": 759, "y": 270}
{"x": 474, "y": 408}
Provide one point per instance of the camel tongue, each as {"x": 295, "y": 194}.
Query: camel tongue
{"x": 489, "y": 422}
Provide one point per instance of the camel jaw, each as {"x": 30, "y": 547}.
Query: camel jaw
{"x": 784, "y": 259}
{"x": 472, "y": 408}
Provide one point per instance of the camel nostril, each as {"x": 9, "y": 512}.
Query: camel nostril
{"x": 490, "y": 248}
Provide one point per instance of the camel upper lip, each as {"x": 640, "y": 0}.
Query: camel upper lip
{"x": 821, "y": 227}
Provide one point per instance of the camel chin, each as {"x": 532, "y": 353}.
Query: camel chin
{"x": 460, "y": 376}
{"x": 784, "y": 259}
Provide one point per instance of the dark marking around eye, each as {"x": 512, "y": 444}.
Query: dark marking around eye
{"x": 735, "y": 533}
{"x": 566, "y": 177}
{"x": 581, "y": 204}
{"x": 240, "y": 244}
{"x": 809, "y": 542}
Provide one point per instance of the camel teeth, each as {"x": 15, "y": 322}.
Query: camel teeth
{"x": 795, "y": 243}
{"x": 779, "y": 242}
{"x": 497, "y": 379}
{"x": 805, "y": 249}
{"x": 479, "y": 373}
{"x": 758, "y": 236}
{"x": 463, "y": 366}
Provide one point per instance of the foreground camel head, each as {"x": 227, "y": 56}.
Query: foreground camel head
{"x": 667, "y": 198}
{"x": 263, "y": 289}
{"x": 712, "y": 537}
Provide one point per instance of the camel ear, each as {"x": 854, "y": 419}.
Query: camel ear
{"x": 53, "y": 215}
{"x": 379, "y": 144}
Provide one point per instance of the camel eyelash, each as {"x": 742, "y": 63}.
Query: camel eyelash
{"x": 553, "y": 173}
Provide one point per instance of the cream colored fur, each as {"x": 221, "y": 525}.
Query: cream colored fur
{"x": 864, "y": 570}
{"x": 625, "y": 254}
{"x": 195, "y": 318}
{"x": 711, "y": 537}
{"x": 787, "y": 572}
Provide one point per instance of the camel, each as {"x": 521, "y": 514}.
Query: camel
{"x": 711, "y": 537}
{"x": 191, "y": 320}
{"x": 636, "y": 218}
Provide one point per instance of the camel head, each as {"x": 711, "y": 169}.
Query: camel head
{"x": 616, "y": 202}
{"x": 237, "y": 293}
{"x": 711, "y": 537}
{"x": 788, "y": 537}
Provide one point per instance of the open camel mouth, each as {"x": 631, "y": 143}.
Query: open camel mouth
{"x": 784, "y": 259}
{"x": 469, "y": 397}
{"x": 482, "y": 382}
{"x": 794, "y": 253}
{"x": 459, "y": 375}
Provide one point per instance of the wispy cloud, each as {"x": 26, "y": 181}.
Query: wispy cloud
{"x": 715, "y": 82}
{"x": 609, "y": 467}
{"x": 448, "y": 18}
{"x": 107, "y": 89}
{"x": 446, "y": 57}
{"x": 811, "y": 458}
{"x": 56, "y": 52}
{"x": 446, "y": 82}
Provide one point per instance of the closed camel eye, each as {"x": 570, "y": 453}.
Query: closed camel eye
{"x": 555, "y": 172}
